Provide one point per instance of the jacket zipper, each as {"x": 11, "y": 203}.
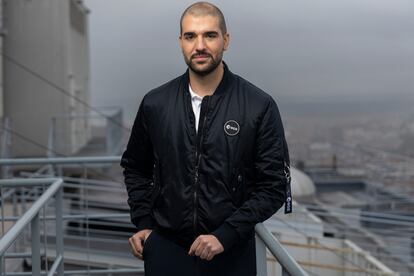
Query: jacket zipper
{"x": 197, "y": 164}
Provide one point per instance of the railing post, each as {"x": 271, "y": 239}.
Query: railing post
{"x": 52, "y": 145}
{"x": 5, "y": 139}
{"x": 109, "y": 136}
{"x": 1, "y": 265}
{"x": 35, "y": 230}
{"x": 59, "y": 229}
{"x": 261, "y": 258}
{"x": 15, "y": 214}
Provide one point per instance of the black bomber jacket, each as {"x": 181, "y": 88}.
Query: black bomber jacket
{"x": 223, "y": 179}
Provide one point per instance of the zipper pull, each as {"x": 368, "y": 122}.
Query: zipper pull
{"x": 196, "y": 174}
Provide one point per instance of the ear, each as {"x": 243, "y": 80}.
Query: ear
{"x": 180, "y": 41}
{"x": 226, "y": 38}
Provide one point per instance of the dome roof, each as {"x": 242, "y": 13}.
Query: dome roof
{"x": 301, "y": 183}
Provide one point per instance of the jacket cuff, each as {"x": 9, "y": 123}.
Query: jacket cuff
{"x": 145, "y": 222}
{"x": 226, "y": 235}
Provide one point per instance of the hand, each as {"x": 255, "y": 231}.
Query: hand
{"x": 137, "y": 240}
{"x": 206, "y": 246}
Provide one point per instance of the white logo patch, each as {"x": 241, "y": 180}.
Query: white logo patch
{"x": 231, "y": 128}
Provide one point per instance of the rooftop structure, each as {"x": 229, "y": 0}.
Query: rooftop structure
{"x": 45, "y": 59}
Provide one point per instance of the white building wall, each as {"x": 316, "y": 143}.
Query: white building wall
{"x": 1, "y": 60}
{"x": 79, "y": 72}
{"x": 39, "y": 40}
{"x": 1, "y": 80}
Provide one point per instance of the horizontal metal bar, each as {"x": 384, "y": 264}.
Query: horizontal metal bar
{"x": 89, "y": 181}
{"x": 91, "y": 216}
{"x": 55, "y": 266}
{"x": 278, "y": 251}
{"x": 115, "y": 240}
{"x": 104, "y": 271}
{"x": 28, "y": 182}
{"x": 365, "y": 218}
{"x": 61, "y": 160}
{"x": 101, "y": 232}
{"x": 372, "y": 248}
{"x": 70, "y": 179}
{"x": 27, "y": 217}
{"x": 351, "y": 212}
{"x": 95, "y": 187}
{"x": 18, "y": 255}
{"x": 87, "y": 272}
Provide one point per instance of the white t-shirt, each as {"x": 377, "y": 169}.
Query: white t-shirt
{"x": 196, "y": 103}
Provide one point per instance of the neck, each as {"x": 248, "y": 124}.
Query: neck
{"x": 206, "y": 85}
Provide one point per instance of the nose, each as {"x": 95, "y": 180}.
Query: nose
{"x": 200, "y": 44}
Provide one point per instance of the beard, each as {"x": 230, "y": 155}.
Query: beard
{"x": 212, "y": 64}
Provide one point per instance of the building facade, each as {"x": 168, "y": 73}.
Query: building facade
{"x": 46, "y": 75}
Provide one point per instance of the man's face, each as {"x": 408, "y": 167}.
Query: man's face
{"x": 202, "y": 43}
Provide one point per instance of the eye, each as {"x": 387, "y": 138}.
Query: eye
{"x": 189, "y": 36}
{"x": 211, "y": 35}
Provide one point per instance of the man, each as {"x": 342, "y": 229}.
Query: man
{"x": 205, "y": 162}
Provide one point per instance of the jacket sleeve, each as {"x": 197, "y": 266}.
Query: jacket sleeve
{"x": 138, "y": 163}
{"x": 268, "y": 195}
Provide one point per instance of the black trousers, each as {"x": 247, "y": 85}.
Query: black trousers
{"x": 163, "y": 257}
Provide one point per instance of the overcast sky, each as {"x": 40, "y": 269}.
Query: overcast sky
{"x": 297, "y": 50}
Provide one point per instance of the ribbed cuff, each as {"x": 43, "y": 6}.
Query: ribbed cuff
{"x": 145, "y": 222}
{"x": 226, "y": 235}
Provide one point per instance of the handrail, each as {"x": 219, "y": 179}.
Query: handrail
{"x": 61, "y": 160}
{"x": 287, "y": 262}
{"x": 31, "y": 216}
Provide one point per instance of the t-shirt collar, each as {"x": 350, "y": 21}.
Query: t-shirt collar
{"x": 194, "y": 95}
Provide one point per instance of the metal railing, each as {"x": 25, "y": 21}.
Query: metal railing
{"x": 109, "y": 220}
{"x": 264, "y": 239}
{"x": 31, "y": 217}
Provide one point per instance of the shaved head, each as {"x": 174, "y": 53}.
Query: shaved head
{"x": 204, "y": 9}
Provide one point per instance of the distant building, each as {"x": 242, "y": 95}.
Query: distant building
{"x": 1, "y": 61}
{"x": 46, "y": 74}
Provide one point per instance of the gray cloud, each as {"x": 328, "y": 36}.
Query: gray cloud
{"x": 297, "y": 50}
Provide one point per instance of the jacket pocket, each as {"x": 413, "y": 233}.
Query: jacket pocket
{"x": 156, "y": 185}
{"x": 238, "y": 186}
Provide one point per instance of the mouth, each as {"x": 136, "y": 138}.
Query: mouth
{"x": 200, "y": 57}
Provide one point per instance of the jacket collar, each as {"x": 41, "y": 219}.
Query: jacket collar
{"x": 223, "y": 86}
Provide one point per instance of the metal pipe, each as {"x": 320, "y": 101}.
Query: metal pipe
{"x": 61, "y": 160}
{"x": 57, "y": 264}
{"x": 2, "y": 203}
{"x": 279, "y": 252}
{"x": 15, "y": 231}
{"x": 69, "y": 217}
{"x": 17, "y": 255}
{"x": 35, "y": 231}
{"x": 85, "y": 272}
{"x": 312, "y": 207}
{"x": 261, "y": 260}
{"x": 28, "y": 182}
{"x": 59, "y": 229}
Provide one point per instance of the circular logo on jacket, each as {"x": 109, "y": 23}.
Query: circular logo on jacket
{"x": 231, "y": 127}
